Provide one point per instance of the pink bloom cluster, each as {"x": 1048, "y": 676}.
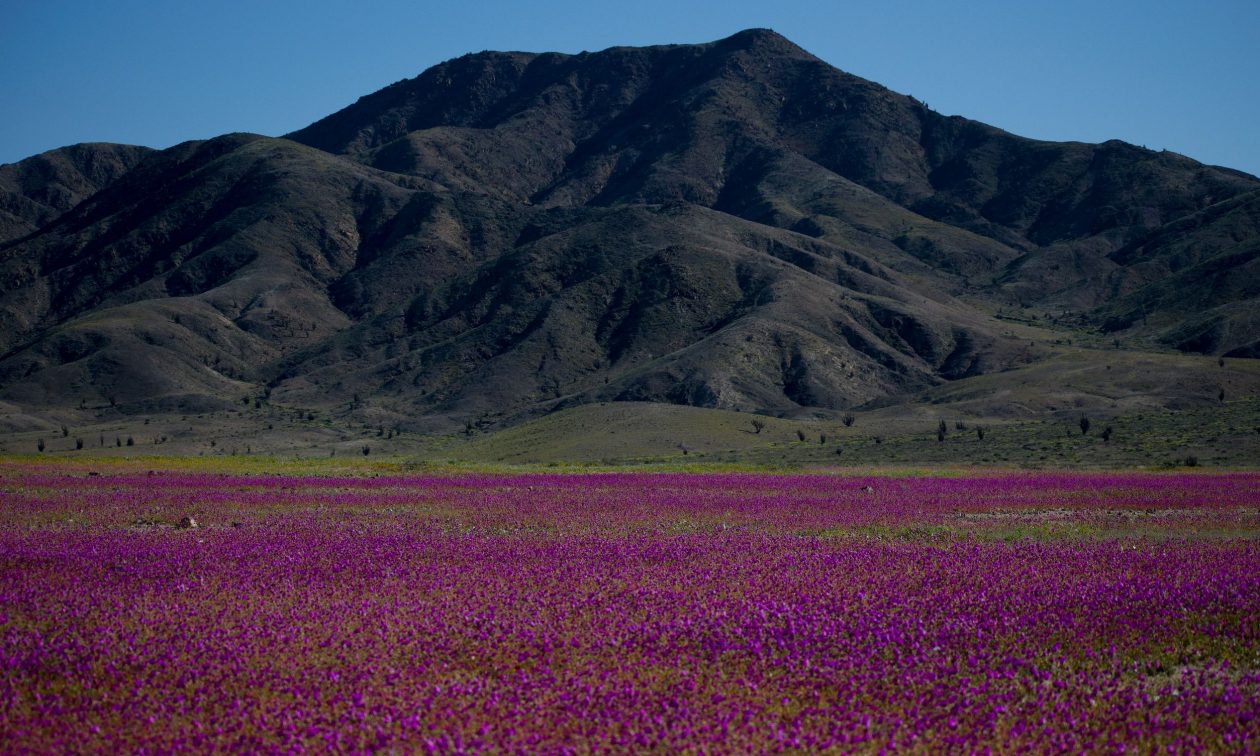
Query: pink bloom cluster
{"x": 564, "y": 613}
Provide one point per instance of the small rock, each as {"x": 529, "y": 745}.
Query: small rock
{"x": 868, "y": 489}
{"x": 236, "y": 524}
{"x": 186, "y": 523}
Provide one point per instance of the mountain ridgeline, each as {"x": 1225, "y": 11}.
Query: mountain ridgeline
{"x": 735, "y": 225}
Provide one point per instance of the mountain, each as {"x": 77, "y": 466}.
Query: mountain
{"x": 38, "y": 189}
{"x": 735, "y": 224}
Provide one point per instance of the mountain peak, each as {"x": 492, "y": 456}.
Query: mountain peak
{"x": 467, "y": 90}
{"x": 755, "y": 36}
{"x": 766, "y": 40}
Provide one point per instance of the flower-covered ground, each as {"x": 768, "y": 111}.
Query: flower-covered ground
{"x": 595, "y": 612}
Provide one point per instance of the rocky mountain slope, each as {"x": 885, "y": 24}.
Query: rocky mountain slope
{"x": 735, "y": 224}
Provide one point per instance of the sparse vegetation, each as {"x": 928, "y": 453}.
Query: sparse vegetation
{"x": 606, "y": 434}
{"x": 849, "y": 419}
{"x": 1220, "y": 435}
{"x": 1084, "y": 423}
{"x": 758, "y": 425}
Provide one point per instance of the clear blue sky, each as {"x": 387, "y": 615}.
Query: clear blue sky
{"x": 1183, "y": 76}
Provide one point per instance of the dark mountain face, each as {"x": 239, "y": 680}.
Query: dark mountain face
{"x": 735, "y": 224}
{"x": 39, "y": 189}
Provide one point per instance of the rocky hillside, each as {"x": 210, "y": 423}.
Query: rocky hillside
{"x": 735, "y": 225}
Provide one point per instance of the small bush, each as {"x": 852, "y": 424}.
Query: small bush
{"x": 1084, "y": 425}
{"x": 366, "y": 450}
{"x": 131, "y": 441}
{"x": 849, "y": 419}
{"x": 78, "y": 444}
{"x": 980, "y": 432}
{"x": 800, "y": 435}
{"x": 40, "y": 444}
{"x": 758, "y": 425}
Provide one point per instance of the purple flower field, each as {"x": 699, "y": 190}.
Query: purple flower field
{"x": 613, "y": 612}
